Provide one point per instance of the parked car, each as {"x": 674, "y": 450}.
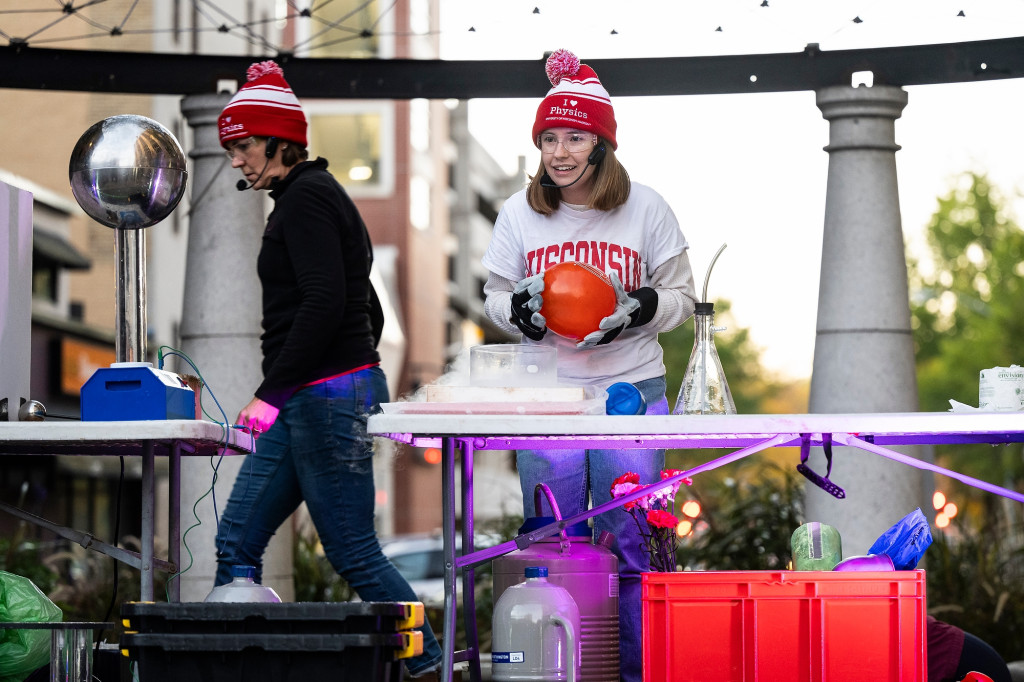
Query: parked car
{"x": 419, "y": 557}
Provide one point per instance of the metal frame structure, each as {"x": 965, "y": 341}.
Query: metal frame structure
{"x": 185, "y": 74}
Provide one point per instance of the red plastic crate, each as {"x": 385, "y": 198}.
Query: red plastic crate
{"x": 792, "y": 626}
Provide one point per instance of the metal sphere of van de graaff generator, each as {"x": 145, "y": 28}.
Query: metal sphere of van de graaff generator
{"x": 128, "y": 172}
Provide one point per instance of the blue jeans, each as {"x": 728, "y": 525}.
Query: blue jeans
{"x": 318, "y": 451}
{"x": 575, "y": 475}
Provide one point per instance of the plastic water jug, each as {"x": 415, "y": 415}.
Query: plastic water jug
{"x": 589, "y": 571}
{"x": 535, "y": 632}
{"x": 243, "y": 588}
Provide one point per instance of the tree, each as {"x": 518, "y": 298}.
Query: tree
{"x": 967, "y": 296}
{"x": 966, "y": 301}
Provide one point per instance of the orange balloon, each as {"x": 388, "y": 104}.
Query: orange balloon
{"x": 577, "y": 296}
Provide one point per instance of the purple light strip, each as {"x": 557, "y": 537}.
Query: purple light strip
{"x": 919, "y": 464}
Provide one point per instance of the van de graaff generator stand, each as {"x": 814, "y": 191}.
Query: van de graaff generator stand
{"x": 128, "y": 172}
{"x": 704, "y": 389}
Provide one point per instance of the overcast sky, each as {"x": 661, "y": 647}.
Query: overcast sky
{"x": 749, "y": 170}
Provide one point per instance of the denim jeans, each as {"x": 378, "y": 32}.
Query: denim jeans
{"x": 575, "y": 475}
{"x": 318, "y": 451}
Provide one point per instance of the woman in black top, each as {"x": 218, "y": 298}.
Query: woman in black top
{"x": 320, "y": 364}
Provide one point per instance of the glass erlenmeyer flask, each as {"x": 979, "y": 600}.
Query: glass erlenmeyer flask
{"x": 704, "y": 389}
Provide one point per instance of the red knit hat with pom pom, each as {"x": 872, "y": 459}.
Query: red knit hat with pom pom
{"x": 576, "y": 99}
{"x": 265, "y": 106}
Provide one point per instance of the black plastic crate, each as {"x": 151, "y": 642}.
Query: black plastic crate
{"x": 163, "y": 657}
{"x": 285, "y": 618}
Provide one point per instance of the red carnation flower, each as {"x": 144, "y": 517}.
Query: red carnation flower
{"x": 669, "y": 473}
{"x": 628, "y": 477}
{"x": 629, "y": 506}
{"x": 658, "y": 518}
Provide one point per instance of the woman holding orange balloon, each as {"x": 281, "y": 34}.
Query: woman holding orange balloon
{"x": 596, "y": 265}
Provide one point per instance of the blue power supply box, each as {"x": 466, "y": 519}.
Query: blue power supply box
{"x": 135, "y": 391}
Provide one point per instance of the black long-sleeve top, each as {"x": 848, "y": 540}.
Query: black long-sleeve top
{"x": 314, "y": 266}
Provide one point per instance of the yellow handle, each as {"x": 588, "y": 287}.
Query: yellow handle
{"x": 415, "y": 615}
{"x": 413, "y": 644}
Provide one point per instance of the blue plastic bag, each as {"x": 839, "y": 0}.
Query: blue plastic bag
{"x": 906, "y": 542}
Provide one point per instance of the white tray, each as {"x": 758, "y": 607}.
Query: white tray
{"x": 444, "y": 399}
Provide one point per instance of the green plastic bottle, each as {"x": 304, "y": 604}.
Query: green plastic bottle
{"x": 816, "y": 547}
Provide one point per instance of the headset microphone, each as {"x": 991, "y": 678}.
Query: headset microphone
{"x": 242, "y": 185}
{"x": 595, "y": 158}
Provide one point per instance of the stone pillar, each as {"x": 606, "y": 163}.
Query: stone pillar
{"x": 220, "y": 328}
{"x": 863, "y": 352}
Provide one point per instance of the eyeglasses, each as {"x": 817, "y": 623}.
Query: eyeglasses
{"x": 573, "y": 141}
{"x": 240, "y": 148}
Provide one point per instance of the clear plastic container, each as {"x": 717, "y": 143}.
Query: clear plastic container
{"x": 513, "y": 364}
{"x": 243, "y": 588}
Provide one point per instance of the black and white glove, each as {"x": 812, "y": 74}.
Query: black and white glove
{"x": 631, "y": 310}
{"x": 526, "y": 304}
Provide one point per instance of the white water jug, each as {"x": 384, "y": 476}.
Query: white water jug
{"x": 535, "y": 632}
{"x": 243, "y": 588}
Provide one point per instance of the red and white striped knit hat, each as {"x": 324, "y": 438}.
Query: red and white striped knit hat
{"x": 576, "y": 100}
{"x": 265, "y": 106}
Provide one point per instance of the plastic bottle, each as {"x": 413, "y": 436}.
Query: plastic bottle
{"x": 535, "y": 632}
{"x": 816, "y": 547}
{"x": 704, "y": 389}
{"x": 243, "y": 588}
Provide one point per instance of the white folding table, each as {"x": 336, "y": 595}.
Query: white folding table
{"x": 745, "y": 434}
{"x": 147, "y": 439}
